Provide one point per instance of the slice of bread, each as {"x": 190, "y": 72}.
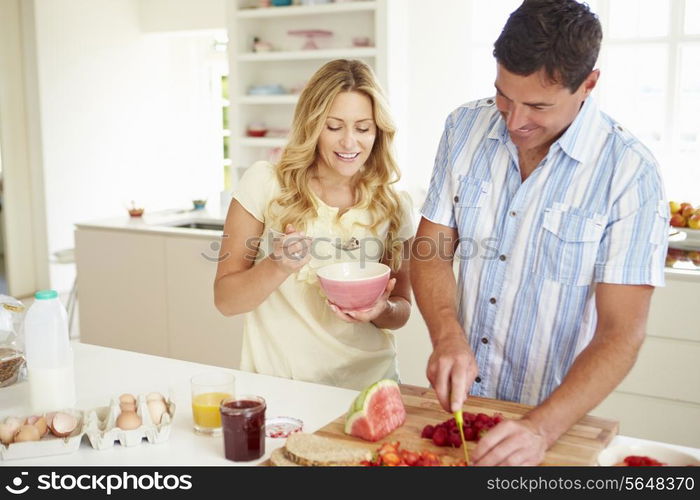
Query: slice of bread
{"x": 311, "y": 450}
{"x": 278, "y": 458}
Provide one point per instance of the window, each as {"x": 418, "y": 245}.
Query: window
{"x": 219, "y": 90}
{"x": 225, "y": 132}
{"x": 650, "y": 76}
{"x": 650, "y": 82}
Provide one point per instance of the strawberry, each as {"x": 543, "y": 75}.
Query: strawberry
{"x": 440, "y": 437}
{"x": 469, "y": 434}
{"x": 428, "y": 431}
{"x": 455, "y": 438}
{"x": 483, "y": 417}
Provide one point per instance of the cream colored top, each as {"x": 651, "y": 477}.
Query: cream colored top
{"x": 293, "y": 333}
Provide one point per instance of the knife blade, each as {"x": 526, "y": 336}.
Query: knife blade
{"x": 459, "y": 418}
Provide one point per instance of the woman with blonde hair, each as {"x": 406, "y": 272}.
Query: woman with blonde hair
{"x": 329, "y": 199}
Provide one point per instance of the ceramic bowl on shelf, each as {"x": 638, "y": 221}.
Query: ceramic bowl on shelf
{"x": 354, "y": 285}
{"x": 272, "y": 89}
{"x": 361, "y": 41}
{"x": 256, "y": 130}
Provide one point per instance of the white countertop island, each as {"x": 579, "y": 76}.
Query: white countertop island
{"x": 102, "y": 373}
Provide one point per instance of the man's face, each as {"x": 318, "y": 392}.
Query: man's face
{"x": 536, "y": 111}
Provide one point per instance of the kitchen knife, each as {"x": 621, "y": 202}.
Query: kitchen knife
{"x": 459, "y": 418}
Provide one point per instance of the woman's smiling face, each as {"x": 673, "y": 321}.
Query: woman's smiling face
{"x": 348, "y": 136}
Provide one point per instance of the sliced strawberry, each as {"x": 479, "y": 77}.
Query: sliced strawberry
{"x": 430, "y": 459}
{"x": 387, "y": 448}
{"x": 409, "y": 457}
{"x": 391, "y": 459}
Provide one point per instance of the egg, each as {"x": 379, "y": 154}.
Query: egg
{"x": 15, "y": 422}
{"x": 40, "y": 423}
{"x": 155, "y": 396}
{"x": 127, "y": 406}
{"x": 156, "y": 408}
{"x": 127, "y": 398}
{"x": 63, "y": 424}
{"x": 128, "y": 420}
{"x": 27, "y": 433}
{"x": 7, "y": 432}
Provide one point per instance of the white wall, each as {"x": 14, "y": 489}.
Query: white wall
{"x": 181, "y": 15}
{"x": 125, "y": 115}
{"x": 437, "y": 81}
{"x": 24, "y": 227}
{"x": 427, "y": 80}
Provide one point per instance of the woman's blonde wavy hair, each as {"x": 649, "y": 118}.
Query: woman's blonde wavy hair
{"x": 373, "y": 190}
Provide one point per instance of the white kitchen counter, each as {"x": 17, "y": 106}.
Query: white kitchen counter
{"x": 102, "y": 373}
{"x": 162, "y": 223}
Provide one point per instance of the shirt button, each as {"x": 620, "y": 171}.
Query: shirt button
{"x": 456, "y": 199}
{"x": 492, "y": 300}
{"x": 489, "y": 101}
{"x": 477, "y": 380}
{"x": 484, "y": 340}
{"x": 502, "y": 258}
{"x": 513, "y": 213}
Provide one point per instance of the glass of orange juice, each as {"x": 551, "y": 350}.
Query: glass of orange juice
{"x": 208, "y": 390}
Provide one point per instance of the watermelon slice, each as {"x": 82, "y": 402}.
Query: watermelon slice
{"x": 376, "y": 411}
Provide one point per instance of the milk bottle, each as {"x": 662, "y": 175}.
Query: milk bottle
{"x": 49, "y": 354}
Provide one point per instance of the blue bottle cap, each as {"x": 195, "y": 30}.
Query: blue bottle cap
{"x": 46, "y": 294}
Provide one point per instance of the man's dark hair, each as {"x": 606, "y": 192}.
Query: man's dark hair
{"x": 561, "y": 36}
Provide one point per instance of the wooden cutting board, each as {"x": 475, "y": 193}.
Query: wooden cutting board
{"x": 580, "y": 445}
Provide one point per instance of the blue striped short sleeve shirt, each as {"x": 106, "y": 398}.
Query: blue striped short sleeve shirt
{"x": 531, "y": 252}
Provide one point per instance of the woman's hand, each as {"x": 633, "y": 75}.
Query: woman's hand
{"x": 292, "y": 251}
{"x": 352, "y": 316}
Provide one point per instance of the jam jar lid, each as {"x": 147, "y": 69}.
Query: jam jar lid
{"x": 282, "y": 427}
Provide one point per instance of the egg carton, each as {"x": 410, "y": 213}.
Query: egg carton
{"x": 48, "y": 444}
{"x": 103, "y": 433}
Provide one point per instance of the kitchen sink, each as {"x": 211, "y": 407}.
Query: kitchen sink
{"x": 202, "y": 225}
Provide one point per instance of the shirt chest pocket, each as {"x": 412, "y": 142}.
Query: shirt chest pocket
{"x": 568, "y": 246}
{"x": 470, "y": 196}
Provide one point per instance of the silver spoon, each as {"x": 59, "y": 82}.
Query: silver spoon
{"x": 347, "y": 245}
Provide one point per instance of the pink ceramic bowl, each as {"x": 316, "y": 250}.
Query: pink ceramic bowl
{"x": 354, "y": 285}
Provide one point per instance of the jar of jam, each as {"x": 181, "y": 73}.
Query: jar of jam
{"x": 243, "y": 423}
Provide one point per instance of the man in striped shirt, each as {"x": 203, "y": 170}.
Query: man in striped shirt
{"x": 557, "y": 217}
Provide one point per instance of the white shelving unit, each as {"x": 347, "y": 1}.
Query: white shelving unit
{"x": 288, "y": 64}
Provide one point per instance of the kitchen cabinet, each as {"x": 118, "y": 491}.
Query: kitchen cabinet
{"x": 660, "y": 397}
{"x": 196, "y": 329}
{"x": 288, "y": 64}
{"x": 123, "y": 301}
{"x": 153, "y": 293}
